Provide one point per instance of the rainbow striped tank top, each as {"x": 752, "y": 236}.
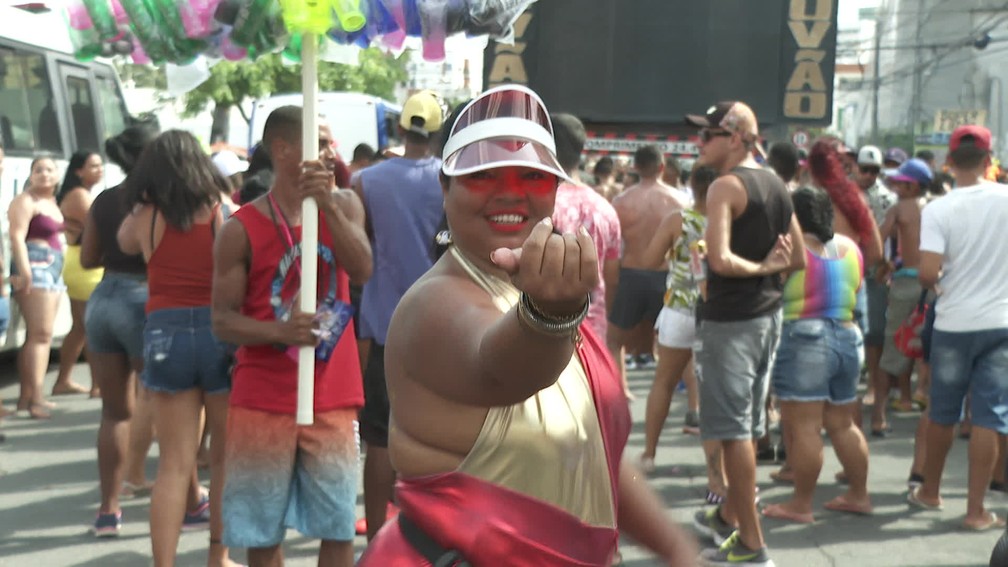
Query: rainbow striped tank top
{"x": 826, "y": 288}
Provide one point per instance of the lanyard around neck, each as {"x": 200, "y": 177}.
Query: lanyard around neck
{"x": 283, "y": 228}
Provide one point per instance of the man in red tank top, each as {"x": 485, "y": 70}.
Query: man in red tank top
{"x": 281, "y": 475}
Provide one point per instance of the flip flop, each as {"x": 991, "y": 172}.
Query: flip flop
{"x": 881, "y": 433}
{"x": 782, "y": 478}
{"x": 777, "y": 512}
{"x": 993, "y": 522}
{"x": 914, "y": 501}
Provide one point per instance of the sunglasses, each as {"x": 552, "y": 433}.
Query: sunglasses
{"x": 869, "y": 169}
{"x": 706, "y": 135}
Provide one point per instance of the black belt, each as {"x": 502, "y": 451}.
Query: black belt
{"x": 426, "y": 546}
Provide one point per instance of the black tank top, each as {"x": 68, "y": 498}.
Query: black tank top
{"x": 108, "y": 213}
{"x": 753, "y": 234}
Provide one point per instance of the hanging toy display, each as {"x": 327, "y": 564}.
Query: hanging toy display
{"x": 177, "y": 31}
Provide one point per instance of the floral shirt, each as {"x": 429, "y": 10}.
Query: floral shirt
{"x": 580, "y": 205}
{"x": 682, "y": 292}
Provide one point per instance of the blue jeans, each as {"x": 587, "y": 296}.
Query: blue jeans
{"x": 975, "y": 362}
{"x": 114, "y": 318}
{"x": 818, "y": 360}
{"x": 181, "y": 353}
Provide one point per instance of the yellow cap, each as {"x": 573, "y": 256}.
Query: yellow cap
{"x": 422, "y": 113}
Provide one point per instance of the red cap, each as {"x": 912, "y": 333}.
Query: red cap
{"x": 980, "y": 135}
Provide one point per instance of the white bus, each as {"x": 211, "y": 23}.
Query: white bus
{"x": 49, "y": 103}
{"x": 354, "y": 118}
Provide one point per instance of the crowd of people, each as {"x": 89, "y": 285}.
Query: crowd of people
{"x": 481, "y": 299}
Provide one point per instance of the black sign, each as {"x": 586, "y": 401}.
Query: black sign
{"x": 652, "y": 61}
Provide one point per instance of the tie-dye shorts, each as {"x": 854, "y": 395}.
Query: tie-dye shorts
{"x": 280, "y": 475}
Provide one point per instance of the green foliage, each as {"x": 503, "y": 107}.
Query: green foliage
{"x": 232, "y": 83}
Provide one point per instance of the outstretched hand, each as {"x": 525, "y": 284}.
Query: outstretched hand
{"x": 556, "y": 271}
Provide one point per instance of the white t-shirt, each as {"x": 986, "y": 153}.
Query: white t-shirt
{"x": 967, "y": 227}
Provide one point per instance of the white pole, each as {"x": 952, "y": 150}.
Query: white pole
{"x": 309, "y": 226}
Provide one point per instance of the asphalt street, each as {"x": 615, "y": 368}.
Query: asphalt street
{"x": 49, "y": 495}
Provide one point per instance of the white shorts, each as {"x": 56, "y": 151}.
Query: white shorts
{"x": 676, "y": 328}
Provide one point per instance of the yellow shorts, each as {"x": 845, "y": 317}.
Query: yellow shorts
{"x": 79, "y": 282}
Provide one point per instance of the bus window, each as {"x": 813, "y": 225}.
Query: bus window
{"x": 113, "y": 109}
{"x": 28, "y": 121}
{"x": 82, "y": 112}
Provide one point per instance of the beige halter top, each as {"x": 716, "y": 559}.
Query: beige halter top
{"x": 550, "y": 446}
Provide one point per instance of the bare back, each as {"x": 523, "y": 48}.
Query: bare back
{"x": 641, "y": 209}
{"x": 908, "y": 220}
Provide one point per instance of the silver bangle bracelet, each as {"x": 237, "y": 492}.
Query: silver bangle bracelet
{"x": 533, "y": 317}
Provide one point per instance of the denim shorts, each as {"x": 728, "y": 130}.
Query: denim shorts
{"x": 818, "y": 360}
{"x": 973, "y": 362}
{"x": 46, "y": 265}
{"x": 733, "y": 363}
{"x": 114, "y": 318}
{"x": 180, "y": 352}
{"x": 4, "y": 314}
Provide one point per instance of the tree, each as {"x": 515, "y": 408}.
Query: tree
{"x": 232, "y": 83}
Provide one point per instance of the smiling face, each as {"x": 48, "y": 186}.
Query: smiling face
{"x": 91, "y": 173}
{"x": 497, "y": 208}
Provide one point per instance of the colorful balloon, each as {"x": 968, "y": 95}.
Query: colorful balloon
{"x": 349, "y": 14}
{"x": 197, "y": 16}
{"x": 144, "y": 24}
{"x": 307, "y": 16}
{"x": 433, "y": 19}
{"x": 77, "y": 16}
{"x": 394, "y": 38}
{"x": 102, "y": 18}
{"x": 249, "y": 20}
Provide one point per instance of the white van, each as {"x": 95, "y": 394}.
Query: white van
{"x": 354, "y": 118}
{"x": 49, "y": 103}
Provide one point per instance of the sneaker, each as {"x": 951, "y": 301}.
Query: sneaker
{"x": 107, "y": 525}
{"x": 732, "y": 552}
{"x": 199, "y": 517}
{"x": 646, "y": 361}
{"x": 630, "y": 362}
{"x": 709, "y": 523}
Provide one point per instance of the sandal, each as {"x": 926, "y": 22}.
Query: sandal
{"x": 993, "y": 522}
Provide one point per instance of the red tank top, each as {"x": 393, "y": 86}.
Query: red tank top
{"x": 265, "y": 377}
{"x": 180, "y": 271}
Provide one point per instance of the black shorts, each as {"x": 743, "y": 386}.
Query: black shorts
{"x": 640, "y": 295}
{"x": 374, "y": 416}
{"x": 356, "y": 291}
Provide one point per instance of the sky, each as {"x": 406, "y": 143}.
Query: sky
{"x": 847, "y": 11}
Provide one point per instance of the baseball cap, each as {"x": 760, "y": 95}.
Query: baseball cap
{"x": 870, "y": 155}
{"x": 980, "y": 135}
{"x": 733, "y": 116}
{"x": 896, "y": 155}
{"x": 228, "y": 163}
{"x": 505, "y": 126}
{"x": 422, "y": 113}
{"x": 914, "y": 171}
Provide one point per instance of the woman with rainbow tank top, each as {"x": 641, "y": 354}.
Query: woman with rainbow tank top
{"x": 818, "y": 364}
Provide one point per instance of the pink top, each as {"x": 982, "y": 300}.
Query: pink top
{"x": 44, "y": 227}
{"x": 578, "y": 205}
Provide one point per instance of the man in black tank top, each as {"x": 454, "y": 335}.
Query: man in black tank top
{"x": 752, "y": 237}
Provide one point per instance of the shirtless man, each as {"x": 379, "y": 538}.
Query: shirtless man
{"x": 903, "y": 222}
{"x": 641, "y": 288}
{"x": 605, "y": 178}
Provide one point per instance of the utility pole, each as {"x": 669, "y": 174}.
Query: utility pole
{"x": 918, "y": 76}
{"x": 876, "y": 81}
